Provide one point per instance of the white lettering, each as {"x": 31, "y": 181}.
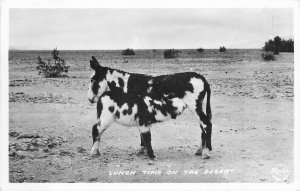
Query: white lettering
{"x": 118, "y": 173}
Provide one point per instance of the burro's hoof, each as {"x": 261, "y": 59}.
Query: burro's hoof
{"x": 199, "y": 152}
{"x": 153, "y": 158}
{"x": 150, "y": 162}
{"x": 95, "y": 152}
{"x": 206, "y": 157}
{"x": 206, "y": 154}
{"x": 141, "y": 150}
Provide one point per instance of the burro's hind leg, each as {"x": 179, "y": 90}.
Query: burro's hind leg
{"x": 200, "y": 149}
{"x": 146, "y": 139}
{"x": 206, "y": 128}
{"x": 195, "y": 104}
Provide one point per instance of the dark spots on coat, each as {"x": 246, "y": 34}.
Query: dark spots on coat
{"x": 166, "y": 108}
{"x": 173, "y": 85}
{"x": 121, "y": 82}
{"x": 120, "y": 99}
{"x": 130, "y": 111}
{"x": 145, "y": 117}
{"x": 111, "y": 109}
{"x": 116, "y": 70}
{"x": 138, "y": 84}
{"x": 112, "y": 85}
{"x": 117, "y": 115}
{"x": 99, "y": 108}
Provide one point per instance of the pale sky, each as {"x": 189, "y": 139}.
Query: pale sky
{"x": 146, "y": 28}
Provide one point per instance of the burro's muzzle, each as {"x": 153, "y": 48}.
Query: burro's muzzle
{"x": 94, "y": 99}
{"x": 91, "y": 96}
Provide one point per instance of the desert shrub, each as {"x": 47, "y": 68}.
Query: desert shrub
{"x": 171, "y": 53}
{"x": 128, "y": 51}
{"x": 125, "y": 61}
{"x": 200, "y": 50}
{"x": 222, "y": 49}
{"x": 279, "y": 45}
{"x": 269, "y": 46}
{"x": 267, "y": 56}
{"x": 56, "y": 68}
{"x": 287, "y": 45}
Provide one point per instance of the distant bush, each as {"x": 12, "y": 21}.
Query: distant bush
{"x": 200, "y": 50}
{"x": 171, "y": 53}
{"x": 125, "y": 61}
{"x": 279, "y": 45}
{"x": 267, "y": 56}
{"x": 128, "y": 51}
{"x": 57, "y": 68}
{"x": 222, "y": 49}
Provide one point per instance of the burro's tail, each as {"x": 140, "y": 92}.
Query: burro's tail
{"x": 208, "y": 108}
{"x": 209, "y": 116}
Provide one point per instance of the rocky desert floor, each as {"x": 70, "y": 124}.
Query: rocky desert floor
{"x": 50, "y": 122}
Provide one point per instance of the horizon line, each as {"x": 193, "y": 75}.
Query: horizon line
{"x": 15, "y": 49}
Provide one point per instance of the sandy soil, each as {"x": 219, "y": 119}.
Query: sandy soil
{"x": 50, "y": 123}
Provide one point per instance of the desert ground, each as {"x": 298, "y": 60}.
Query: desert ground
{"x": 50, "y": 121}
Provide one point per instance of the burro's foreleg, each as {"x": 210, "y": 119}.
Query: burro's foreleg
{"x": 142, "y": 148}
{"x": 97, "y": 131}
{"x": 146, "y": 138}
{"x": 105, "y": 119}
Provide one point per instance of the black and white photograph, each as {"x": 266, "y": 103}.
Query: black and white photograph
{"x": 149, "y": 94}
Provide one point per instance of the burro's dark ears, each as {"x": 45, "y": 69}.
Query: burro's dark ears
{"x": 94, "y": 63}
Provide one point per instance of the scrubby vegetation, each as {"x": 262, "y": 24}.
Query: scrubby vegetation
{"x": 267, "y": 56}
{"x": 55, "y": 68}
{"x": 128, "y": 52}
{"x": 200, "y": 50}
{"x": 222, "y": 49}
{"x": 279, "y": 45}
{"x": 171, "y": 53}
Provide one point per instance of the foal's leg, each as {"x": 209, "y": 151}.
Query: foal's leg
{"x": 146, "y": 139}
